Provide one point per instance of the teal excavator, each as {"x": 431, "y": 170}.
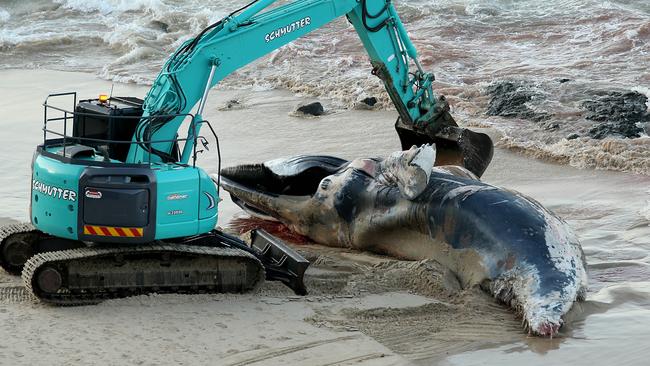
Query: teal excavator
{"x": 118, "y": 206}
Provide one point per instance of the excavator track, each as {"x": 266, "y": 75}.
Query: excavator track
{"x": 17, "y": 245}
{"x": 91, "y": 275}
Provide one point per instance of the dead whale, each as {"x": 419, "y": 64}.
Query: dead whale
{"x": 403, "y": 206}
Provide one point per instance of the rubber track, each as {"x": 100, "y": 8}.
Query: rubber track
{"x": 65, "y": 297}
{"x": 8, "y": 230}
{"x": 22, "y": 227}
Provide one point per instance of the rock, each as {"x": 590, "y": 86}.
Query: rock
{"x": 370, "y": 101}
{"x": 562, "y": 81}
{"x": 573, "y": 136}
{"x": 551, "y": 126}
{"x": 312, "y": 109}
{"x": 366, "y": 104}
{"x": 646, "y": 128}
{"x": 625, "y": 130}
{"x": 617, "y": 106}
{"x": 509, "y": 100}
{"x": 619, "y": 114}
{"x": 232, "y": 104}
{"x": 160, "y": 25}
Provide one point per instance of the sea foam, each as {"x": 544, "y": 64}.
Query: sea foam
{"x": 4, "y": 15}
{"x": 109, "y": 6}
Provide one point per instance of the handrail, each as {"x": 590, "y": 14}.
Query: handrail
{"x": 112, "y": 141}
{"x": 218, "y": 154}
{"x": 117, "y": 117}
{"x": 67, "y": 114}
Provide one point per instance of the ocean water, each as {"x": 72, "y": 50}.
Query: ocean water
{"x": 594, "y": 47}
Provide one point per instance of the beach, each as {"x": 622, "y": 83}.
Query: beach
{"x": 362, "y": 309}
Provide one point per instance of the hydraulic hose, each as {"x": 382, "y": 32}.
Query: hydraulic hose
{"x": 365, "y": 14}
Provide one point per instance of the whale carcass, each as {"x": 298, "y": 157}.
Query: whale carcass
{"x": 403, "y": 206}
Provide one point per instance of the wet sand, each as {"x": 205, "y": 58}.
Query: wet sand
{"x": 363, "y": 309}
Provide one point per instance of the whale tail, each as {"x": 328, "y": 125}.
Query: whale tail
{"x": 541, "y": 309}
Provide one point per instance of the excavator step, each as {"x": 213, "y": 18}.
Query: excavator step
{"x": 91, "y": 275}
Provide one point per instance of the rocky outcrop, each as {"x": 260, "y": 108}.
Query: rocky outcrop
{"x": 510, "y": 99}
{"x": 621, "y": 114}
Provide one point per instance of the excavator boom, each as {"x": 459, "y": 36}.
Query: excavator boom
{"x": 250, "y": 33}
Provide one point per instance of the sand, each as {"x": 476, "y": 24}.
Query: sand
{"x": 362, "y": 309}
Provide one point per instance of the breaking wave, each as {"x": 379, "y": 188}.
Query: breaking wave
{"x": 627, "y": 155}
{"x": 110, "y": 6}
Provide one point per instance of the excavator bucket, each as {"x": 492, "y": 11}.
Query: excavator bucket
{"x": 454, "y": 145}
{"x": 281, "y": 262}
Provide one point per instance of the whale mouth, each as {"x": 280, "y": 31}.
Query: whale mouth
{"x": 260, "y": 189}
{"x": 296, "y": 176}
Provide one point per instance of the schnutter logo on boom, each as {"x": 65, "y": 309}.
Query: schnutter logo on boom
{"x": 287, "y": 29}
{"x": 55, "y": 192}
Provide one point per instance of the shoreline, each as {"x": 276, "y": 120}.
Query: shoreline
{"x": 608, "y": 154}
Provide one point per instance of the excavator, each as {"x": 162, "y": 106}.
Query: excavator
{"x": 118, "y": 206}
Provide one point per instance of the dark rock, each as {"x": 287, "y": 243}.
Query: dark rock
{"x": 646, "y": 128}
{"x": 626, "y": 130}
{"x": 573, "y": 136}
{"x": 509, "y": 100}
{"x": 370, "y": 101}
{"x": 160, "y": 25}
{"x": 312, "y": 109}
{"x": 617, "y": 106}
{"x": 562, "y": 81}
{"x": 551, "y": 126}
{"x": 233, "y": 104}
{"x": 619, "y": 114}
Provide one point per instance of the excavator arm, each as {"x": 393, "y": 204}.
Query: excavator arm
{"x": 251, "y": 32}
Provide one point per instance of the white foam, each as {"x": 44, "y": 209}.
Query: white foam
{"x": 629, "y": 155}
{"x": 109, "y": 6}
{"x": 4, "y": 15}
{"x": 645, "y": 211}
{"x": 643, "y": 90}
